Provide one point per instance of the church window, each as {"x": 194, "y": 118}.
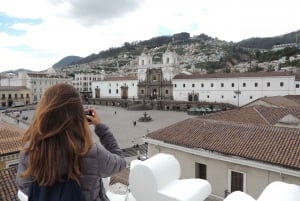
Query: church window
{"x": 175, "y": 85}
{"x": 154, "y": 77}
{"x": 167, "y": 91}
{"x": 168, "y": 60}
{"x": 109, "y": 91}
{"x": 142, "y": 91}
{"x": 117, "y": 91}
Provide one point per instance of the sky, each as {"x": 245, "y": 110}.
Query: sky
{"x": 35, "y": 34}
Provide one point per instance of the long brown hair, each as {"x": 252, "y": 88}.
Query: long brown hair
{"x": 58, "y": 136}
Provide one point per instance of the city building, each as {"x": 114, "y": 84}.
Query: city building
{"x": 116, "y": 87}
{"x": 232, "y": 156}
{"x": 15, "y": 96}
{"x": 83, "y": 82}
{"x": 36, "y": 82}
{"x": 10, "y": 145}
{"x": 234, "y": 88}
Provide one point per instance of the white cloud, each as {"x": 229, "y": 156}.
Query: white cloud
{"x": 77, "y": 27}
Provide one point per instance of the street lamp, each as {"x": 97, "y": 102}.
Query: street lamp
{"x": 238, "y": 92}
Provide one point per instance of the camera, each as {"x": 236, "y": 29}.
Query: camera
{"x": 90, "y": 113}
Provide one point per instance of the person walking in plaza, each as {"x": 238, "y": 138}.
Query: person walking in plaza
{"x": 59, "y": 146}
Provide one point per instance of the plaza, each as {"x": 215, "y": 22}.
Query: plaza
{"x": 121, "y": 122}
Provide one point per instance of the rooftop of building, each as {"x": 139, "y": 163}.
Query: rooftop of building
{"x": 13, "y": 88}
{"x": 10, "y": 138}
{"x": 255, "y": 115}
{"x": 268, "y": 144}
{"x": 120, "y": 78}
{"x": 8, "y": 187}
{"x": 233, "y": 75}
{"x": 277, "y": 101}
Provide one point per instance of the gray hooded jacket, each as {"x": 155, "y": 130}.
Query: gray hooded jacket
{"x": 102, "y": 160}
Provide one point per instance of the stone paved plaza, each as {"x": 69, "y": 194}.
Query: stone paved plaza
{"x": 120, "y": 121}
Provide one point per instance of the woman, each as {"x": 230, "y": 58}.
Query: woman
{"x": 59, "y": 145}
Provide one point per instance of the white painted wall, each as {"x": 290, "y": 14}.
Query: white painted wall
{"x": 212, "y": 90}
{"x": 112, "y": 88}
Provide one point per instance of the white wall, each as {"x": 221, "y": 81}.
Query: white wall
{"x": 226, "y": 94}
{"x": 115, "y": 88}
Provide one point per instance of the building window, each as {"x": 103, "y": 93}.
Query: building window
{"x": 281, "y": 84}
{"x": 16, "y": 96}
{"x": 237, "y": 181}
{"x": 175, "y": 85}
{"x": 117, "y": 91}
{"x": 251, "y": 97}
{"x": 154, "y": 77}
{"x": 183, "y": 85}
{"x": 109, "y": 91}
{"x": 193, "y": 85}
{"x": 133, "y": 84}
{"x": 117, "y": 84}
{"x": 222, "y": 84}
{"x": 244, "y": 84}
{"x": 222, "y": 96}
{"x": 167, "y": 91}
{"x": 255, "y": 84}
{"x": 232, "y": 84}
{"x": 211, "y": 84}
{"x": 200, "y": 171}
{"x": 268, "y": 84}
{"x": 297, "y": 85}
{"x": 142, "y": 91}
{"x": 202, "y": 85}
{"x": 207, "y": 96}
{"x": 234, "y": 97}
{"x": 22, "y": 97}
{"x": 109, "y": 84}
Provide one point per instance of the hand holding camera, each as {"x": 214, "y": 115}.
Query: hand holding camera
{"x": 92, "y": 116}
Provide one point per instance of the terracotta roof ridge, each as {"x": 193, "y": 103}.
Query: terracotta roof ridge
{"x": 262, "y": 116}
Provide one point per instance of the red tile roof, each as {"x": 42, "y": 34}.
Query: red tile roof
{"x": 10, "y": 139}
{"x": 232, "y": 75}
{"x": 120, "y": 78}
{"x": 255, "y": 115}
{"x": 275, "y": 145}
{"x": 278, "y": 101}
{"x": 8, "y": 187}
